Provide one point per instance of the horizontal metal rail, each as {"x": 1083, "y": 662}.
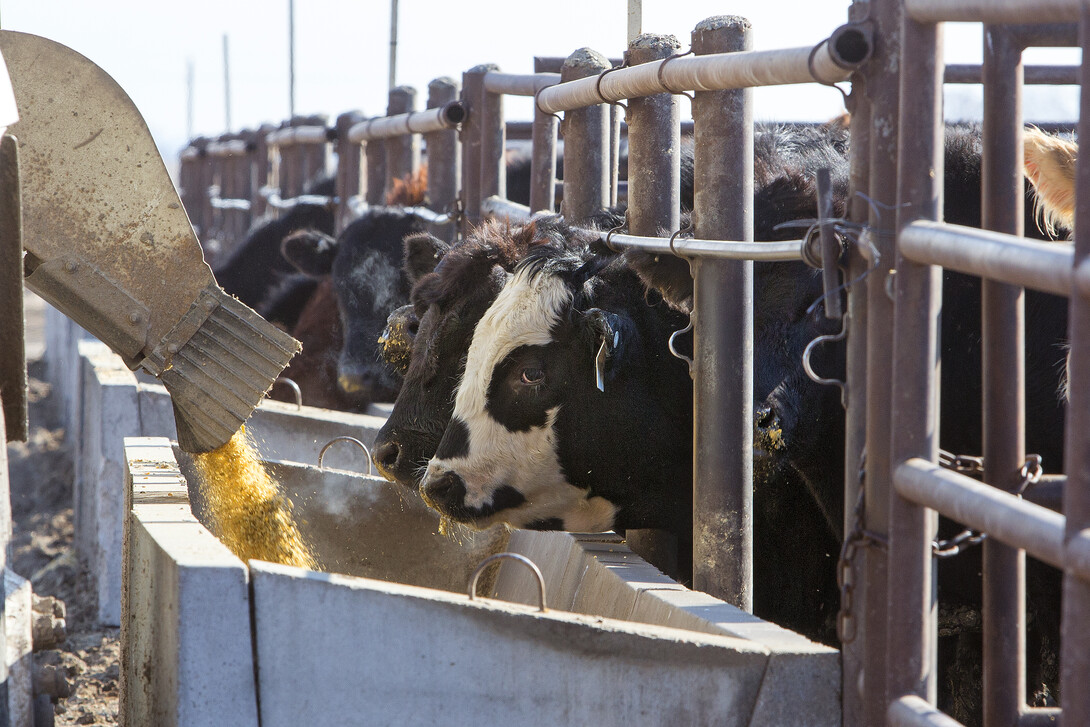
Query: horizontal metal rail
{"x": 993, "y": 11}
{"x": 220, "y": 203}
{"x": 912, "y": 711}
{"x": 1033, "y": 75}
{"x": 1009, "y": 519}
{"x": 190, "y": 153}
{"x": 227, "y": 148}
{"x": 298, "y": 135}
{"x": 685, "y": 247}
{"x": 447, "y": 116}
{"x": 993, "y": 255}
{"x": 273, "y": 199}
{"x": 1040, "y": 717}
{"x": 714, "y": 72}
{"x": 518, "y": 85}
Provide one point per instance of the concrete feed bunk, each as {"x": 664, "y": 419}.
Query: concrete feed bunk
{"x": 407, "y": 645}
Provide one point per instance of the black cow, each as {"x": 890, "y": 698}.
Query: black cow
{"x": 799, "y": 425}
{"x": 363, "y": 263}
{"x": 255, "y": 269}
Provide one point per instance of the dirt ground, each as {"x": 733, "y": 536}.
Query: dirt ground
{"x": 41, "y": 478}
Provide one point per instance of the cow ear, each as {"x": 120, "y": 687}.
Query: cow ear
{"x": 611, "y": 335}
{"x": 310, "y": 251}
{"x": 422, "y": 253}
{"x": 1049, "y": 165}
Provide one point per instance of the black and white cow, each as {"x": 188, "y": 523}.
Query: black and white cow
{"x": 568, "y": 354}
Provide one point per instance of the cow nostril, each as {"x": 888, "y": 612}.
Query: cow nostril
{"x": 766, "y": 419}
{"x": 386, "y": 455}
{"x": 445, "y": 489}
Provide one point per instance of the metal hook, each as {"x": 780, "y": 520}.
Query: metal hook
{"x": 537, "y": 106}
{"x": 361, "y": 445}
{"x": 510, "y": 556}
{"x": 598, "y": 85}
{"x": 673, "y": 237}
{"x": 662, "y": 82}
{"x": 674, "y": 351}
{"x": 618, "y": 228}
{"x": 813, "y": 74}
{"x": 808, "y": 351}
{"x": 294, "y": 387}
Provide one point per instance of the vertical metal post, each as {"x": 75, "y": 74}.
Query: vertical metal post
{"x": 883, "y": 87}
{"x": 444, "y": 157}
{"x": 291, "y": 157}
{"x": 614, "y": 153}
{"x": 393, "y": 45}
{"x": 204, "y": 182}
{"x": 189, "y": 98}
{"x": 348, "y": 167}
{"x": 586, "y": 134}
{"x": 723, "y": 330}
{"x": 291, "y": 58}
{"x": 654, "y": 189}
{"x": 226, "y": 85}
{"x": 493, "y": 145}
{"x": 472, "y": 133}
{"x": 543, "y": 156}
{"x": 1075, "y": 637}
{"x": 914, "y": 428}
{"x": 851, "y": 631}
{"x": 13, "y": 374}
{"x": 403, "y": 151}
{"x": 374, "y": 154}
{"x": 260, "y": 171}
{"x": 1004, "y": 379}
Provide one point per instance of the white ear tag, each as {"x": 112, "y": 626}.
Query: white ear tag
{"x": 599, "y": 366}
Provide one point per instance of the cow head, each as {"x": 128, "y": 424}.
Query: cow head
{"x": 551, "y": 409}
{"x": 363, "y": 265}
{"x": 453, "y": 288}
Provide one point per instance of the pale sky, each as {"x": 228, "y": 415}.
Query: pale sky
{"x": 342, "y": 51}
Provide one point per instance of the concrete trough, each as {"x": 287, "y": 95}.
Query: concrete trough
{"x": 112, "y": 403}
{"x": 208, "y": 639}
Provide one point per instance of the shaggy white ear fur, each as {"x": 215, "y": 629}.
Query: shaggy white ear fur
{"x": 1049, "y": 165}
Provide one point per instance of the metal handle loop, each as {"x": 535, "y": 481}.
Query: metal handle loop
{"x": 677, "y": 354}
{"x": 809, "y": 350}
{"x": 510, "y": 556}
{"x": 662, "y": 81}
{"x": 294, "y": 387}
{"x": 361, "y": 445}
{"x": 598, "y": 85}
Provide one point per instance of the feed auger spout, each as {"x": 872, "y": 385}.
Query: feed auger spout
{"x": 109, "y": 244}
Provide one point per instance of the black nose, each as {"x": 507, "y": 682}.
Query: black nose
{"x": 768, "y": 434}
{"x": 445, "y": 492}
{"x": 385, "y": 457}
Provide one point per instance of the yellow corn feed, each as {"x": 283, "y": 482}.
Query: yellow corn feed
{"x": 249, "y": 515}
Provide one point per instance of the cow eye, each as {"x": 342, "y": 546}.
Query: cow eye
{"x": 532, "y": 376}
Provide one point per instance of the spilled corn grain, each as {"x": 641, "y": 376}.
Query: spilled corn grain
{"x": 249, "y": 515}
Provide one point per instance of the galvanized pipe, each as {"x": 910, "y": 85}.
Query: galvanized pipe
{"x": 402, "y": 151}
{"x": 883, "y": 85}
{"x": 992, "y": 11}
{"x": 444, "y": 157}
{"x": 1075, "y": 635}
{"x": 438, "y": 118}
{"x": 654, "y": 157}
{"x": 513, "y": 84}
{"x": 855, "y": 389}
{"x": 586, "y": 139}
{"x": 918, "y": 302}
{"x": 292, "y": 135}
{"x": 992, "y": 255}
{"x": 506, "y": 209}
{"x": 912, "y": 711}
{"x": 374, "y": 159}
{"x": 1077, "y": 557}
{"x": 543, "y": 157}
{"x": 472, "y": 132}
{"x": 1004, "y": 380}
{"x": 261, "y": 169}
{"x": 714, "y": 72}
{"x": 723, "y": 328}
{"x": 493, "y": 171}
{"x": 1012, "y": 520}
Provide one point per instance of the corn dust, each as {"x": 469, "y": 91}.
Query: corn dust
{"x": 249, "y": 515}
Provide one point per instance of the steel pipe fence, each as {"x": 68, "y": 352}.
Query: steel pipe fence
{"x": 920, "y": 488}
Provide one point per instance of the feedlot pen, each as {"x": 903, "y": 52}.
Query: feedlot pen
{"x": 890, "y": 53}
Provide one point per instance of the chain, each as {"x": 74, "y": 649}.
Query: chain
{"x": 1030, "y": 472}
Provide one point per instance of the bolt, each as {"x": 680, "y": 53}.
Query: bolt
{"x": 210, "y": 304}
{"x": 134, "y": 318}
{"x": 172, "y": 348}
{"x": 71, "y": 266}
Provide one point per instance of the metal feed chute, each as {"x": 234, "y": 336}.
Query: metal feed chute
{"x": 108, "y": 243}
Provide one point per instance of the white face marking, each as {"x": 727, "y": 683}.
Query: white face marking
{"x": 522, "y": 315}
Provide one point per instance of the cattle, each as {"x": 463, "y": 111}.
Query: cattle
{"x": 452, "y": 285}
{"x": 254, "y": 269}
{"x": 361, "y": 284}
